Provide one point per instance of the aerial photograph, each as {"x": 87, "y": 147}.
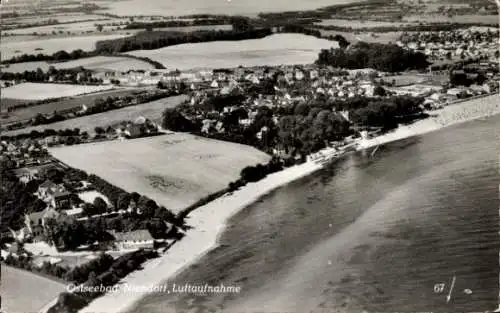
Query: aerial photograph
{"x": 236, "y": 156}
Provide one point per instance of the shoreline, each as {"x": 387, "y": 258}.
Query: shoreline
{"x": 209, "y": 221}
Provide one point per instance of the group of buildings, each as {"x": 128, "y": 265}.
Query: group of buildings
{"x": 456, "y": 44}
{"x": 62, "y": 202}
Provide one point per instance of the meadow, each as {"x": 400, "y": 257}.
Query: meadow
{"x": 276, "y": 49}
{"x": 151, "y": 110}
{"x": 62, "y": 104}
{"x": 39, "y": 91}
{"x": 175, "y": 170}
{"x": 23, "y": 291}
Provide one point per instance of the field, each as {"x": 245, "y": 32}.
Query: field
{"x": 175, "y": 170}
{"x": 122, "y": 64}
{"x": 15, "y": 46}
{"x": 49, "y": 108}
{"x": 362, "y": 36}
{"x": 61, "y": 18}
{"x": 151, "y": 110}
{"x": 360, "y": 23}
{"x": 77, "y": 27}
{"x": 272, "y": 50}
{"x": 466, "y": 19}
{"x": 38, "y": 91}
{"x": 26, "y": 66}
{"x": 25, "y": 292}
{"x": 176, "y": 8}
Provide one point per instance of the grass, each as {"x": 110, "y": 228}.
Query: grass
{"x": 49, "y": 108}
{"x": 39, "y": 91}
{"x": 272, "y": 50}
{"x": 175, "y": 170}
{"x": 23, "y": 291}
{"x": 151, "y": 110}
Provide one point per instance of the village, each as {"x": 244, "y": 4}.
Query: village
{"x": 63, "y": 221}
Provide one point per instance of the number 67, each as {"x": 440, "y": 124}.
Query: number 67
{"x": 438, "y": 288}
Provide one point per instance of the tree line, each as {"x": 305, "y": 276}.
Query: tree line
{"x": 382, "y": 57}
{"x": 158, "y": 39}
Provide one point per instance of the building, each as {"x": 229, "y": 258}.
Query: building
{"x": 55, "y": 195}
{"x": 47, "y": 188}
{"x": 26, "y": 175}
{"x": 60, "y": 200}
{"x": 137, "y": 239}
{"x": 36, "y": 222}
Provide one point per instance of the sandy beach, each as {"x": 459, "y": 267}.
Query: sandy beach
{"x": 209, "y": 221}
{"x": 447, "y": 116}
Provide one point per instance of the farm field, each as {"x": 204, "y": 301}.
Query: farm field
{"x": 76, "y": 27}
{"x": 360, "y": 23}
{"x": 39, "y": 91}
{"x": 25, "y": 66}
{"x": 367, "y": 37}
{"x": 26, "y": 292}
{"x": 151, "y": 110}
{"x": 466, "y": 19}
{"x": 176, "y": 8}
{"x": 63, "y": 104}
{"x": 175, "y": 170}
{"x": 272, "y": 50}
{"x": 18, "y": 45}
{"x": 121, "y": 64}
{"x": 61, "y": 18}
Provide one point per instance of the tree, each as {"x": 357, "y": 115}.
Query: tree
{"x": 100, "y": 205}
{"x": 99, "y": 130}
{"x": 55, "y": 175}
{"x": 123, "y": 201}
{"x": 92, "y": 280}
{"x": 99, "y": 27}
{"x": 175, "y": 121}
{"x": 379, "y": 91}
{"x": 89, "y": 209}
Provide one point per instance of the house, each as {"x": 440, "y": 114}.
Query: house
{"x": 214, "y": 84}
{"x": 133, "y": 130}
{"x": 137, "y": 239}
{"x": 36, "y": 222}
{"x": 26, "y": 175}
{"x": 207, "y": 124}
{"x": 47, "y": 188}
{"x": 60, "y": 199}
{"x": 54, "y": 195}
